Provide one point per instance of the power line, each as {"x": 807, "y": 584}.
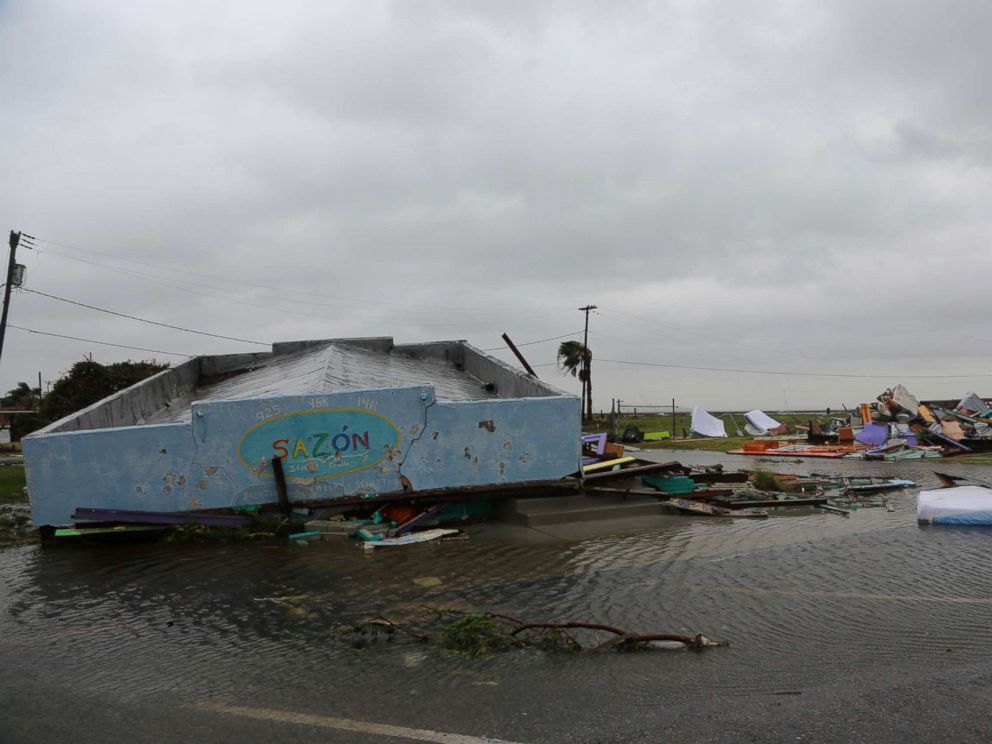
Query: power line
{"x": 678, "y": 326}
{"x": 185, "y": 286}
{"x": 144, "y": 320}
{"x": 790, "y": 374}
{"x": 285, "y": 290}
{"x": 541, "y": 341}
{"x": 102, "y": 343}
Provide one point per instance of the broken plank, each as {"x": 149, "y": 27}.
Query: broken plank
{"x": 88, "y": 514}
{"x": 647, "y": 467}
{"x": 775, "y": 503}
{"x": 120, "y": 529}
{"x": 606, "y": 464}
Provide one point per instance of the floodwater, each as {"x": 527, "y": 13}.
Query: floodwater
{"x": 823, "y": 612}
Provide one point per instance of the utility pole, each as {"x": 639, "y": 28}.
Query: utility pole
{"x": 15, "y": 238}
{"x": 587, "y": 382}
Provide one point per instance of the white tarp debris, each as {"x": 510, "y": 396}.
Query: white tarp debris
{"x": 705, "y": 424}
{"x": 413, "y": 537}
{"x": 761, "y": 421}
{"x": 961, "y": 505}
{"x": 971, "y": 402}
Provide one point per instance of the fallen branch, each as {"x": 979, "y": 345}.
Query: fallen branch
{"x": 562, "y": 626}
{"x": 484, "y": 633}
{"x": 400, "y": 628}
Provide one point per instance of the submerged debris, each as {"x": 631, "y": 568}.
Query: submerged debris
{"x": 750, "y": 494}
{"x": 15, "y": 523}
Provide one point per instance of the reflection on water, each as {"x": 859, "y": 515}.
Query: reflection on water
{"x": 804, "y": 599}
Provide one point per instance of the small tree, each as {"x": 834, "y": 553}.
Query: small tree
{"x": 88, "y": 382}
{"x": 575, "y": 358}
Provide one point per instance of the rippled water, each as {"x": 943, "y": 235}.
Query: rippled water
{"x": 805, "y": 599}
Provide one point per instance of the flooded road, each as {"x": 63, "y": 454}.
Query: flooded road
{"x": 861, "y": 628}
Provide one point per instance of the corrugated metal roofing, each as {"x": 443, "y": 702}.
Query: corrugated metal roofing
{"x": 325, "y": 369}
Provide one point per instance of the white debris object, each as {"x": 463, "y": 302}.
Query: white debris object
{"x": 961, "y": 505}
{"x": 413, "y": 537}
{"x": 705, "y": 424}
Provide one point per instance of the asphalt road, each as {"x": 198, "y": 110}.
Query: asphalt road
{"x": 951, "y": 706}
{"x": 865, "y": 628}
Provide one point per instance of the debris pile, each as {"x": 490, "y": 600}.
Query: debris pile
{"x": 896, "y": 426}
{"x": 752, "y": 494}
{"x": 370, "y": 526}
{"x": 604, "y": 460}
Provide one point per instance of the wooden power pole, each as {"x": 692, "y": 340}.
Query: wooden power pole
{"x": 15, "y": 239}
{"x": 587, "y": 366}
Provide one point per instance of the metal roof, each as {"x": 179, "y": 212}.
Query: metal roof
{"x": 325, "y": 369}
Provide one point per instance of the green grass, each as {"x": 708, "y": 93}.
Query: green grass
{"x": 12, "y": 484}
{"x": 706, "y": 445}
{"x": 981, "y": 458}
{"x": 659, "y": 422}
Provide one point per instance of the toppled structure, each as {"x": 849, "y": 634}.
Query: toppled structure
{"x": 760, "y": 424}
{"x": 705, "y": 424}
{"x": 349, "y": 419}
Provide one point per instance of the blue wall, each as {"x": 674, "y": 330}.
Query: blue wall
{"x": 339, "y": 444}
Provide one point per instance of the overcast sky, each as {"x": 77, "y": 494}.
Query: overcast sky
{"x": 788, "y": 186}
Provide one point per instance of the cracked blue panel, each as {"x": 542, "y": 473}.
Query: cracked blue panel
{"x": 480, "y": 443}
{"x": 140, "y": 468}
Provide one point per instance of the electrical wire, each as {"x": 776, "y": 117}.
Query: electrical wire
{"x": 531, "y": 343}
{"x": 144, "y": 320}
{"x": 789, "y": 373}
{"x": 185, "y": 286}
{"x": 285, "y": 290}
{"x": 102, "y": 343}
{"x": 677, "y": 326}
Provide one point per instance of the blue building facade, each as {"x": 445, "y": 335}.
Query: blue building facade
{"x": 350, "y": 418}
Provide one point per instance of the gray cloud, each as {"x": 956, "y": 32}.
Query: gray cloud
{"x": 759, "y": 184}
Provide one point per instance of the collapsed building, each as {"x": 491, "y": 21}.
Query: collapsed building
{"x": 350, "y": 420}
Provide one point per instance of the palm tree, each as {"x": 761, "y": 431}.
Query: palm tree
{"x": 576, "y": 358}
{"x": 23, "y": 397}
